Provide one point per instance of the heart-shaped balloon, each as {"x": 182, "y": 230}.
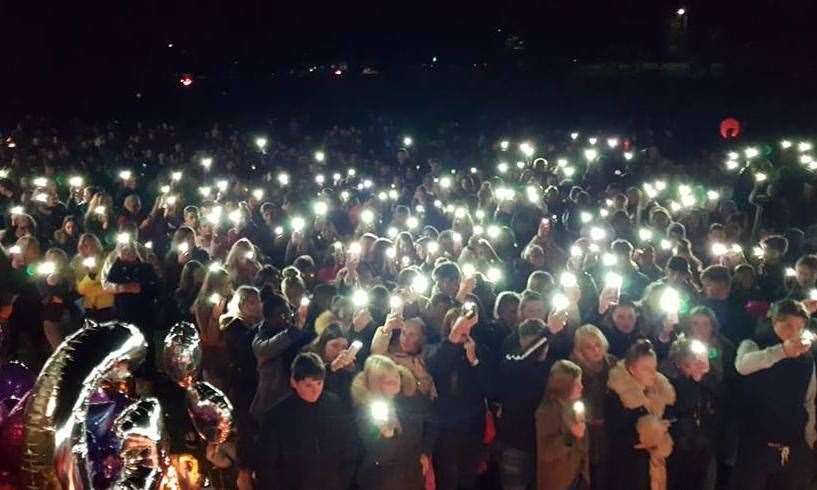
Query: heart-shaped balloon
{"x": 181, "y": 356}
{"x": 211, "y": 412}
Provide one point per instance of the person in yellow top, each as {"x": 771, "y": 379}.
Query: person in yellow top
{"x": 87, "y": 264}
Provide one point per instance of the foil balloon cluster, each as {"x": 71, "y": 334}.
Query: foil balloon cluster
{"x": 210, "y": 410}
{"x": 55, "y": 449}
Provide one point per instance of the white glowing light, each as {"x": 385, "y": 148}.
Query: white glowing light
{"x": 367, "y": 216}
{"x": 612, "y": 142}
{"x": 420, "y": 284}
{"x": 697, "y": 347}
{"x": 379, "y": 411}
{"x": 360, "y": 298}
{"x": 568, "y": 280}
{"x": 123, "y": 238}
{"x": 320, "y": 208}
{"x": 298, "y": 224}
{"x": 408, "y": 141}
{"x": 320, "y": 156}
{"x": 719, "y": 249}
{"x": 494, "y": 274}
{"x": 502, "y": 167}
{"x": 527, "y": 149}
{"x": 75, "y": 181}
{"x": 613, "y": 280}
{"x": 89, "y": 262}
{"x": 645, "y": 234}
{"x": 609, "y": 260}
{"x": 670, "y": 301}
{"x": 46, "y": 268}
{"x": 560, "y": 302}
{"x": 261, "y": 143}
{"x": 591, "y": 154}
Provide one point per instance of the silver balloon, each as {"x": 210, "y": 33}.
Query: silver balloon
{"x": 54, "y": 448}
{"x": 210, "y": 411}
{"x": 140, "y": 428}
{"x": 181, "y": 356}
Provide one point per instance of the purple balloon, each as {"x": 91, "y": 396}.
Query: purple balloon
{"x": 15, "y": 380}
{"x": 103, "y": 446}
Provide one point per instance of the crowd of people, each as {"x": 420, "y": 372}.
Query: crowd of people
{"x": 568, "y": 311}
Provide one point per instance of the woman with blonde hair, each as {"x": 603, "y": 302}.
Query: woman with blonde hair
{"x": 590, "y": 353}
{"x": 87, "y": 265}
{"x": 207, "y": 308}
{"x": 242, "y": 262}
{"x": 562, "y": 461}
{"x": 394, "y": 428}
{"x": 639, "y": 442}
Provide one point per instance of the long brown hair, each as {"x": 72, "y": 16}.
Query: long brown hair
{"x": 562, "y": 376}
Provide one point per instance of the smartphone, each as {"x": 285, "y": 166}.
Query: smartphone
{"x": 355, "y": 347}
{"x": 470, "y": 309}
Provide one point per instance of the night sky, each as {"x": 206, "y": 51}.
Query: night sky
{"x": 67, "y": 49}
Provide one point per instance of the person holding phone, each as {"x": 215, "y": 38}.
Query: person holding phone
{"x": 463, "y": 376}
{"x": 340, "y": 357}
{"x": 404, "y": 342}
{"x": 275, "y": 344}
{"x": 562, "y": 456}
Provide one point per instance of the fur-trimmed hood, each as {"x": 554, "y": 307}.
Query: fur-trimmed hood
{"x": 633, "y": 395}
{"x": 361, "y": 395}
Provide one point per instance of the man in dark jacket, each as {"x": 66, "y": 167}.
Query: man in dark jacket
{"x": 520, "y": 387}
{"x": 307, "y": 440}
{"x": 275, "y": 345}
{"x": 462, "y": 374}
